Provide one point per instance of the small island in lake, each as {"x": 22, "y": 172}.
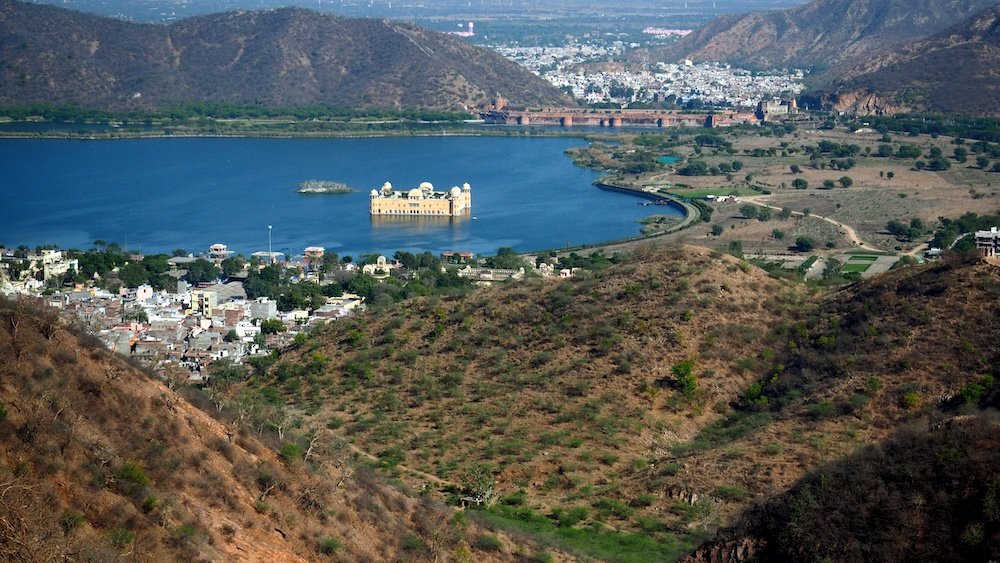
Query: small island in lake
{"x": 322, "y": 187}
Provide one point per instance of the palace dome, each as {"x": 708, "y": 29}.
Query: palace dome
{"x": 426, "y": 186}
{"x": 415, "y": 193}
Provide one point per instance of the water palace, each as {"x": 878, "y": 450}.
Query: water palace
{"x": 422, "y": 200}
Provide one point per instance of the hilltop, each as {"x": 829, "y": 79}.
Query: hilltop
{"x": 822, "y": 33}
{"x": 99, "y": 461}
{"x": 275, "y": 58}
{"x": 921, "y": 76}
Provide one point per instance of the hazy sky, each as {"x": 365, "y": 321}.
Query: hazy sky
{"x": 168, "y": 10}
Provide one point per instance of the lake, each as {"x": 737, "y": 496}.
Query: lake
{"x": 155, "y": 195}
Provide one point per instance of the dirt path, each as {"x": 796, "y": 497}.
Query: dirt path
{"x": 849, "y": 231}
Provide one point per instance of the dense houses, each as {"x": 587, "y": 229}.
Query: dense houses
{"x": 584, "y": 70}
{"x": 189, "y": 326}
{"x": 192, "y": 326}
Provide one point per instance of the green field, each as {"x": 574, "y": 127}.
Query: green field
{"x": 862, "y": 258}
{"x": 856, "y": 267}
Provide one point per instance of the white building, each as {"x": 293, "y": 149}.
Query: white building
{"x": 988, "y": 242}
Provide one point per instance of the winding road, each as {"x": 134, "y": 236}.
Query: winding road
{"x": 849, "y": 231}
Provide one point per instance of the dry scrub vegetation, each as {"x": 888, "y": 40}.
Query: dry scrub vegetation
{"x": 552, "y": 389}
{"x": 99, "y": 462}
{"x": 654, "y": 399}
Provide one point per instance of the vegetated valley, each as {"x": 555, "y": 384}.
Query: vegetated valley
{"x": 673, "y": 402}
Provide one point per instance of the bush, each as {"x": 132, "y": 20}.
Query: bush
{"x": 685, "y": 378}
{"x": 131, "y": 472}
{"x": 291, "y": 452}
{"x": 120, "y": 537}
{"x": 487, "y": 542}
{"x": 609, "y": 507}
{"x": 727, "y": 492}
{"x": 329, "y": 546}
{"x": 568, "y": 518}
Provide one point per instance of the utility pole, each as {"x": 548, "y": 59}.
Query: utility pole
{"x": 270, "y": 255}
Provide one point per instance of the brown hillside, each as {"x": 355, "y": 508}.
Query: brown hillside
{"x": 99, "y": 463}
{"x": 553, "y": 387}
{"x": 822, "y": 33}
{"x": 922, "y": 75}
{"x": 921, "y": 495}
{"x": 567, "y": 393}
{"x": 276, "y": 58}
{"x": 912, "y": 347}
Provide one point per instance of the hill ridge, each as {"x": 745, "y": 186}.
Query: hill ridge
{"x": 281, "y": 57}
{"x": 822, "y": 33}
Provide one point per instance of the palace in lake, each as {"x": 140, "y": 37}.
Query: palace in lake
{"x": 421, "y": 201}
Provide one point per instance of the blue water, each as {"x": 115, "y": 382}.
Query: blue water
{"x": 156, "y": 195}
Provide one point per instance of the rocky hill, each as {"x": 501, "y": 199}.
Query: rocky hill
{"x": 822, "y": 33}
{"x": 100, "y": 462}
{"x": 284, "y": 57}
{"x": 922, "y": 75}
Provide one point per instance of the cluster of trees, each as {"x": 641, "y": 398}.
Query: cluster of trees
{"x": 906, "y": 232}
{"x": 951, "y": 229}
{"x": 836, "y": 149}
{"x": 981, "y": 128}
{"x": 844, "y": 182}
{"x": 700, "y": 168}
{"x": 506, "y": 259}
{"x": 637, "y": 162}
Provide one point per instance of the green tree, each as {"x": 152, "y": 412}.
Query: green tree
{"x": 764, "y": 214}
{"x": 749, "y": 211}
{"x": 961, "y": 154}
{"x": 271, "y": 326}
{"x": 133, "y": 274}
{"x": 233, "y": 265}
{"x": 777, "y": 234}
{"x": 785, "y": 213}
{"x": 805, "y": 244}
{"x": 796, "y": 169}
{"x": 982, "y": 162}
{"x": 846, "y": 181}
{"x": 507, "y": 259}
{"x": 201, "y": 271}
{"x": 828, "y": 184}
{"x": 717, "y": 229}
{"x": 684, "y": 378}
{"x": 800, "y": 184}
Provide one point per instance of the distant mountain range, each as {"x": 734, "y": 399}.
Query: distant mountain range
{"x": 956, "y": 71}
{"x": 868, "y": 56}
{"x": 284, "y": 57}
{"x": 822, "y": 33}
